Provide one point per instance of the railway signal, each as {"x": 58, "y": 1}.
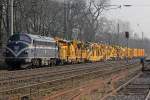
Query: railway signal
{"x": 127, "y": 37}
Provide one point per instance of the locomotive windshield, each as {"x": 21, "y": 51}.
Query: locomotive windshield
{"x": 20, "y": 37}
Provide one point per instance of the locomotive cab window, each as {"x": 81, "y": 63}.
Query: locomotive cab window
{"x": 20, "y": 37}
{"x": 14, "y": 38}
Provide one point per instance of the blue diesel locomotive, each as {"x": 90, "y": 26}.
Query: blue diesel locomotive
{"x": 26, "y": 48}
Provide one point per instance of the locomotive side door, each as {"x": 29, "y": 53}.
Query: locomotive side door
{"x": 34, "y": 49}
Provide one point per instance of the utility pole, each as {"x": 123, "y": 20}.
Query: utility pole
{"x": 34, "y": 14}
{"x": 11, "y": 16}
{"x": 143, "y": 40}
{"x": 142, "y": 46}
{"x": 1, "y": 11}
{"x": 127, "y": 37}
{"x": 118, "y": 28}
{"x": 65, "y": 20}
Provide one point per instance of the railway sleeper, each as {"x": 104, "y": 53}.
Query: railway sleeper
{"x": 78, "y": 78}
{"x": 21, "y": 81}
{"x": 127, "y": 97}
{"x": 129, "y": 91}
{"x": 138, "y": 86}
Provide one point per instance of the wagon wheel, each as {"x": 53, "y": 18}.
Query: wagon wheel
{"x": 39, "y": 63}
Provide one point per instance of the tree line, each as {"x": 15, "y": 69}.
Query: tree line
{"x": 69, "y": 19}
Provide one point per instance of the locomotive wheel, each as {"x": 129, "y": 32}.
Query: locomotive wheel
{"x": 33, "y": 62}
{"x": 62, "y": 62}
{"x": 49, "y": 63}
{"x": 39, "y": 63}
{"x": 10, "y": 68}
{"x": 53, "y": 63}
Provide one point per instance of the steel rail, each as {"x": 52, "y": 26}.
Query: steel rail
{"x": 101, "y": 75}
{"x": 49, "y": 75}
{"x": 56, "y": 71}
{"x": 52, "y": 73}
{"x": 45, "y": 69}
{"x": 120, "y": 87}
{"x": 69, "y": 77}
{"x": 134, "y": 88}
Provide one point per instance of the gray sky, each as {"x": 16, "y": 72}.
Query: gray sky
{"x": 139, "y": 13}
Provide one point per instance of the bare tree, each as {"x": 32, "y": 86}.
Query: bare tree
{"x": 4, "y": 21}
{"x": 59, "y": 18}
{"x": 1, "y": 10}
{"x": 92, "y": 15}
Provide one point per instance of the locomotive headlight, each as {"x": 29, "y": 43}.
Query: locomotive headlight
{"x": 26, "y": 51}
{"x": 6, "y": 51}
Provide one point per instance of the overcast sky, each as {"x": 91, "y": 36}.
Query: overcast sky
{"x": 139, "y": 13}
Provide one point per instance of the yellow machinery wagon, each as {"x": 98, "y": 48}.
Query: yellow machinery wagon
{"x": 76, "y": 51}
{"x": 63, "y": 50}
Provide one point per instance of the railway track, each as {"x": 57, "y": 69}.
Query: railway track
{"x": 7, "y": 75}
{"x": 28, "y": 71}
{"x": 137, "y": 88}
{"x": 21, "y": 80}
{"x": 26, "y": 74}
{"x": 37, "y": 80}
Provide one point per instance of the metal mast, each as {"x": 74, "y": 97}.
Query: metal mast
{"x": 11, "y": 16}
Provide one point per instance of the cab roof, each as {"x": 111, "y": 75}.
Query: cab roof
{"x": 39, "y": 37}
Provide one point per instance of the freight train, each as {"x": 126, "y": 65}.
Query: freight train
{"x": 40, "y": 50}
